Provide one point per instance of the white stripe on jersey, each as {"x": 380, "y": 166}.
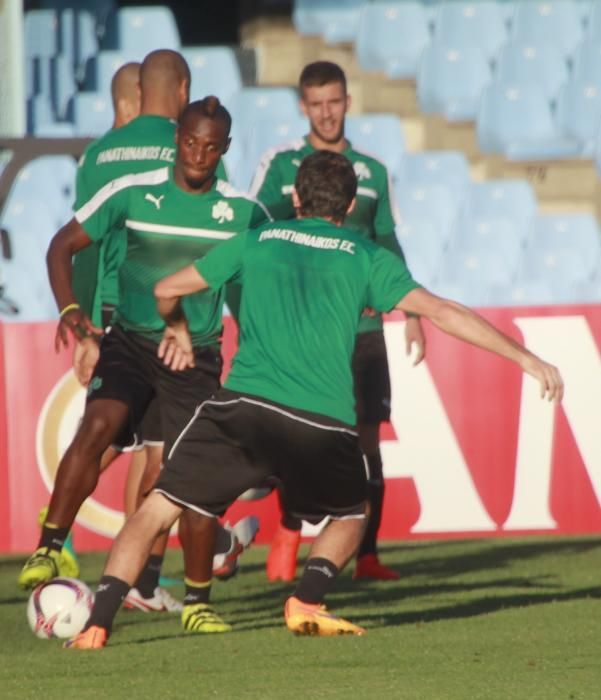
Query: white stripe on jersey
{"x": 178, "y": 230}
{"x": 266, "y": 159}
{"x": 367, "y": 192}
{"x": 228, "y": 190}
{"x": 152, "y": 177}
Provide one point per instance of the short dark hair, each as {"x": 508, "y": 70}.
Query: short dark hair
{"x": 209, "y": 107}
{"x": 325, "y": 184}
{"x": 321, "y": 73}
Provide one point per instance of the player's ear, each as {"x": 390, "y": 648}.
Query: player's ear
{"x": 296, "y": 203}
{"x": 302, "y": 105}
{"x": 351, "y": 206}
{"x": 349, "y": 101}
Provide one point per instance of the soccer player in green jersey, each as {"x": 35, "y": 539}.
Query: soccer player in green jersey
{"x": 287, "y": 407}
{"x": 325, "y": 101}
{"x": 171, "y": 215}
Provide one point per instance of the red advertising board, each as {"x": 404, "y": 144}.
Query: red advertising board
{"x": 470, "y": 450}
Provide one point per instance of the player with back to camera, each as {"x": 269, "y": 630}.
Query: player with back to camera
{"x": 196, "y": 212}
{"x": 325, "y": 101}
{"x": 287, "y": 406}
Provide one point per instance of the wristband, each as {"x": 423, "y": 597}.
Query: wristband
{"x": 69, "y": 307}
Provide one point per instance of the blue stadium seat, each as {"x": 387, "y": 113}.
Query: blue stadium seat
{"x": 517, "y": 122}
{"x": 91, "y": 114}
{"x": 469, "y": 271}
{"x": 433, "y": 203}
{"x": 587, "y": 62}
{"x": 101, "y": 68}
{"x": 86, "y": 41}
{"x": 391, "y": 37}
{"x": 578, "y": 113}
{"x": 557, "y": 22}
{"x": 141, "y": 29}
{"x": 493, "y": 199}
{"x": 524, "y": 63}
{"x": 450, "y": 81}
{"x": 334, "y": 20}
{"x": 214, "y": 71}
{"x": 523, "y": 292}
{"x": 41, "y": 28}
{"x": 471, "y": 24}
{"x": 577, "y": 232}
{"x": 40, "y": 114}
{"x": 447, "y": 168}
{"x": 380, "y": 135}
{"x": 593, "y": 29}
{"x": 588, "y": 292}
{"x": 63, "y": 85}
{"x": 422, "y": 247}
{"x": 502, "y": 236}
{"x": 47, "y": 181}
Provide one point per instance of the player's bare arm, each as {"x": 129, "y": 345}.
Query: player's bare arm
{"x": 68, "y": 240}
{"x": 465, "y": 324}
{"x": 176, "y": 347}
{"x": 415, "y": 337}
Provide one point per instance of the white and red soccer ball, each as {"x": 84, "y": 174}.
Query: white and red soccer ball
{"x": 59, "y": 608}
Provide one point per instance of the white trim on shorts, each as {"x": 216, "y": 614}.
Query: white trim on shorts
{"x": 185, "y": 504}
{"x": 269, "y": 406}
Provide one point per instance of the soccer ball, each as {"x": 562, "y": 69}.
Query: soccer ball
{"x": 59, "y": 608}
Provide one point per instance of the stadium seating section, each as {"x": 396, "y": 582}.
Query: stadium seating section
{"x": 526, "y": 75}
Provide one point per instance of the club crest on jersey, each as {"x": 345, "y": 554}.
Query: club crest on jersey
{"x": 362, "y": 171}
{"x": 155, "y": 200}
{"x": 296, "y": 162}
{"x": 222, "y": 212}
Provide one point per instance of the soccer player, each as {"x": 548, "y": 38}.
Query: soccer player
{"x": 325, "y": 101}
{"x": 172, "y": 215}
{"x": 287, "y": 406}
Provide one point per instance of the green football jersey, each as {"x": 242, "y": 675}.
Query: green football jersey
{"x": 145, "y": 143}
{"x": 374, "y": 215}
{"x": 166, "y": 229}
{"x": 305, "y": 283}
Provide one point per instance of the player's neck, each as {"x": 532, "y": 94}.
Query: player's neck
{"x": 321, "y": 145}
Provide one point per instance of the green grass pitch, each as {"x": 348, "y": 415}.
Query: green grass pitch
{"x": 469, "y": 620}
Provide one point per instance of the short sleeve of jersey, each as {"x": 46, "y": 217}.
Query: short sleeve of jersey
{"x": 224, "y": 262}
{"x": 267, "y": 188}
{"x": 384, "y": 222}
{"x": 83, "y": 187}
{"x": 389, "y": 281}
{"x": 101, "y": 214}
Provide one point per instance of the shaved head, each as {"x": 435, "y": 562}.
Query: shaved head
{"x": 125, "y": 93}
{"x": 162, "y": 69}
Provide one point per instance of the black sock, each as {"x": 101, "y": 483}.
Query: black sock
{"x": 110, "y": 594}
{"x": 375, "y": 495}
{"x": 197, "y": 592}
{"x": 224, "y": 540}
{"x": 318, "y": 577}
{"x": 53, "y": 537}
{"x": 149, "y": 578}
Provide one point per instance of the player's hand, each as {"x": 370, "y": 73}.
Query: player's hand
{"x": 176, "y": 347}
{"x": 414, "y": 335}
{"x": 548, "y": 376}
{"x": 76, "y": 324}
{"x": 85, "y": 357}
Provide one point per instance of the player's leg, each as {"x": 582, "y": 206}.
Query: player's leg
{"x": 126, "y": 559}
{"x": 118, "y": 391}
{"x": 76, "y": 479}
{"x": 372, "y": 394}
{"x": 324, "y": 476}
